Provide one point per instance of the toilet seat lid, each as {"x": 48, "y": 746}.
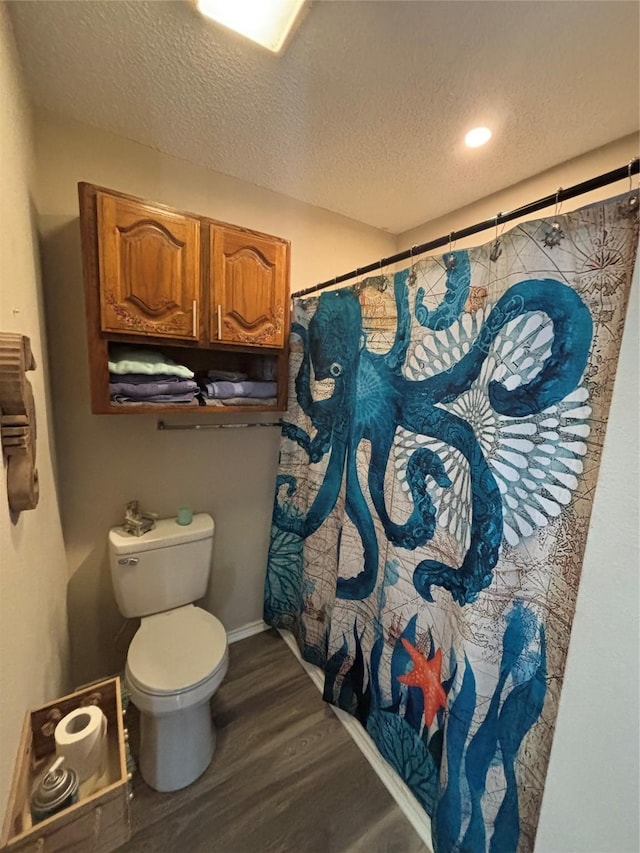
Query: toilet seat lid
{"x": 176, "y": 650}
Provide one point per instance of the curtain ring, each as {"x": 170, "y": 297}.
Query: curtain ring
{"x": 555, "y": 234}
{"x": 631, "y": 206}
{"x": 449, "y": 258}
{"x": 412, "y": 269}
{"x": 382, "y": 285}
{"x": 629, "y": 168}
{"x": 556, "y": 212}
{"x": 496, "y": 249}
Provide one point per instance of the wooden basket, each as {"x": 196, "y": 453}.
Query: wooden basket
{"x": 97, "y": 823}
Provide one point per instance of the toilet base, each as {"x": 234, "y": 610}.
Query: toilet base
{"x": 176, "y": 748}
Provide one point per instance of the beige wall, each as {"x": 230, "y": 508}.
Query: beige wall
{"x": 33, "y": 576}
{"x": 591, "y": 795}
{"x": 107, "y": 460}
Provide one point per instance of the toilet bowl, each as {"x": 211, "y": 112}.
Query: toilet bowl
{"x": 176, "y": 662}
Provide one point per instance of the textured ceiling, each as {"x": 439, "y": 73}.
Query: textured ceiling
{"x": 365, "y": 112}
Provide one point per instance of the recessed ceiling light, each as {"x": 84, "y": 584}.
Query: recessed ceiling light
{"x": 267, "y": 22}
{"x": 477, "y": 137}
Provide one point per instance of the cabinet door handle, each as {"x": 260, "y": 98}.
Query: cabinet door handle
{"x": 194, "y": 314}
{"x": 219, "y": 322}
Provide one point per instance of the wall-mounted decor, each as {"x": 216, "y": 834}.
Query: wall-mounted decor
{"x": 18, "y": 421}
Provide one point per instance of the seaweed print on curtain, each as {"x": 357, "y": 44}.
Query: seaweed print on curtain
{"x": 437, "y": 471}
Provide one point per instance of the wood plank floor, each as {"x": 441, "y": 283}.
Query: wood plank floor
{"x": 285, "y": 776}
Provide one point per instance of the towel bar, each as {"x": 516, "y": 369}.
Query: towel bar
{"x": 164, "y": 426}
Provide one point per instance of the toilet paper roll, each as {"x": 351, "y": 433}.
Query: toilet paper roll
{"x": 81, "y": 737}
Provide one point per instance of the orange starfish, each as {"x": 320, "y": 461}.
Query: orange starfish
{"x": 426, "y": 675}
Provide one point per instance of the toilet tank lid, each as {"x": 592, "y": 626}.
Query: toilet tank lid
{"x": 166, "y": 533}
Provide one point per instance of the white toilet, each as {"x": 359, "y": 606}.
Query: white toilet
{"x": 179, "y": 655}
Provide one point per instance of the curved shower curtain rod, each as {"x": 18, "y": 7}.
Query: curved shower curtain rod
{"x": 632, "y": 168}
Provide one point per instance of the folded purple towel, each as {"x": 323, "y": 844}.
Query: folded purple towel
{"x": 247, "y": 401}
{"x": 144, "y": 390}
{"x": 139, "y": 403}
{"x": 224, "y": 390}
{"x": 158, "y": 398}
{"x": 144, "y": 378}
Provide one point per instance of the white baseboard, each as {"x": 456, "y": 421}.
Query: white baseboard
{"x": 247, "y": 630}
{"x": 400, "y": 792}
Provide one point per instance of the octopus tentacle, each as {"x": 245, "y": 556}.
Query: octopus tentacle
{"x": 562, "y": 370}
{"x": 475, "y": 573}
{"x": 315, "y": 447}
{"x": 320, "y": 412}
{"x": 303, "y": 385}
{"x": 332, "y": 344}
{"x": 420, "y": 526}
{"x": 456, "y": 294}
{"x": 316, "y": 410}
{"x": 321, "y": 442}
{"x": 394, "y": 359}
{"x": 362, "y": 585}
{"x": 323, "y": 503}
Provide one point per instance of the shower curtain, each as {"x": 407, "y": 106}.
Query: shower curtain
{"x": 436, "y": 477}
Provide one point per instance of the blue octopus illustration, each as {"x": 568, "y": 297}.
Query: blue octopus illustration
{"x": 371, "y": 398}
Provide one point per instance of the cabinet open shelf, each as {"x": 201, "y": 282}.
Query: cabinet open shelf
{"x": 256, "y": 366}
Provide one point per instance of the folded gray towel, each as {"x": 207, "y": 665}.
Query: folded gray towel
{"x": 154, "y": 402}
{"x": 145, "y": 390}
{"x": 247, "y": 401}
{"x": 143, "y": 378}
{"x": 224, "y": 390}
{"x": 157, "y": 398}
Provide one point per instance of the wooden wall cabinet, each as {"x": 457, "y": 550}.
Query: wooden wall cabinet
{"x": 149, "y": 269}
{"x": 249, "y": 287}
{"x": 207, "y": 294}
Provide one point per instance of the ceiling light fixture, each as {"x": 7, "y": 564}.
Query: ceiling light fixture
{"x": 270, "y": 23}
{"x": 477, "y": 137}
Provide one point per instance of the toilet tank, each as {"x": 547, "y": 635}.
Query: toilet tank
{"x": 165, "y": 568}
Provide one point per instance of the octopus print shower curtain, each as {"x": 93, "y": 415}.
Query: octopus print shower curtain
{"x": 437, "y": 471}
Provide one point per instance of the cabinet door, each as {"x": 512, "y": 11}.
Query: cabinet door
{"x": 149, "y": 269}
{"x": 249, "y": 275}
